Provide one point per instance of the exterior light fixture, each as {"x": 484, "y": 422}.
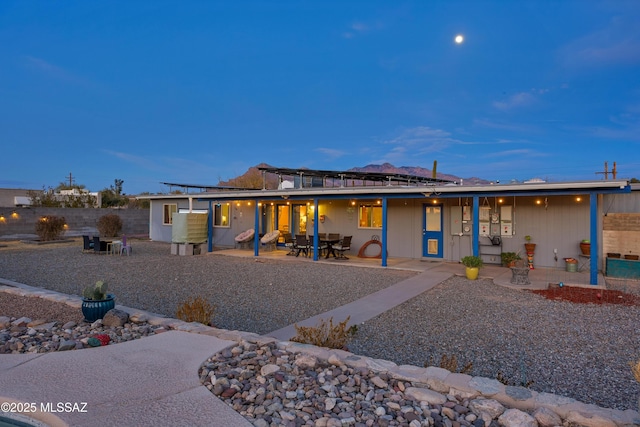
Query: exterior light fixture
{"x": 538, "y": 202}
{"x": 2, "y": 219}
{"x": 15, "y": 215}
{"x": 500, "y": 200}
{"x": 578, "y": 199}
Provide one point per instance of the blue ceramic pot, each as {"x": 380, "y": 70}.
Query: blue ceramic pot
{"x": 96, "y": 309}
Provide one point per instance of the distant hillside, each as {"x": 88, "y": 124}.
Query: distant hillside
{"x": 253, "y": 177}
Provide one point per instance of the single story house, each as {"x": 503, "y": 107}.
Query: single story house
{"x": 418, "y": 217}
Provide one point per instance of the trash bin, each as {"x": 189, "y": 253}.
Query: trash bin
{"x": 572, "y": 264}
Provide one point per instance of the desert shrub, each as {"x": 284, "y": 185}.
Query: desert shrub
{"x": 326, "y": 334}
{"x": 50, "y": 227}
{"x": 109, "y": 225}
{"x": 196, "y": 309}
{"x": 450, "y": 363}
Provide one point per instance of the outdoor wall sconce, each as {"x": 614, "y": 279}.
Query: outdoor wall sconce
{"x": 3, "y": 219}
{"x": 15, "y": 215}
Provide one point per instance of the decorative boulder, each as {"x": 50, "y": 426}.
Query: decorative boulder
{"x": 115, "y": 318}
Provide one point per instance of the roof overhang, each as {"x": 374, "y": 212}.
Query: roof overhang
{"x": 434, "y": 190}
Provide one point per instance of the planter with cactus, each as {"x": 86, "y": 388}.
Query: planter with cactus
{"x": 96, "y": 301}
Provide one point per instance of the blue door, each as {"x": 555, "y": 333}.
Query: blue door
{"x": 432, "y": 231}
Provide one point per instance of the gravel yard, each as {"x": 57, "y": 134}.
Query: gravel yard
{"x": 579, "y": 351}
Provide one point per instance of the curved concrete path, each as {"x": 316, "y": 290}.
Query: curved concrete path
{"x": 147, "y": 382}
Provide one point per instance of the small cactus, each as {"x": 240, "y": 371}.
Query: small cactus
{"x": 96, "y": 292}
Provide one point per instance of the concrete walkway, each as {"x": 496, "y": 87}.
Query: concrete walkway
{"x": 372, "y": 305}
{"x": 146, "y": 382}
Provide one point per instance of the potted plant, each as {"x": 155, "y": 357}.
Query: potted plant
{"x": 509, "y": 258}
{"x": 96, "y": 301}
{"x": 530, "y": 247}
{"x": 585, "y": 247}
{"x": 473, "y": 265}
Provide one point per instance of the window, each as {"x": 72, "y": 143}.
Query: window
{"x": 370, "y": 216}
{"x": 167, "y": 212}
{"x": 221, "y": 215}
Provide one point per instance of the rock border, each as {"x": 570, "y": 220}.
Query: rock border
{"x": 437, "y": 379}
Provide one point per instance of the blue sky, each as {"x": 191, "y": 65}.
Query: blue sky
{"x": 199, "y": 91}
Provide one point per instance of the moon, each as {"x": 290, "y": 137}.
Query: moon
{"x": 459, "y": 39}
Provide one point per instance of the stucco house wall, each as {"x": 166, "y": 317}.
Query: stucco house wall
{"x": 557, "y": 222}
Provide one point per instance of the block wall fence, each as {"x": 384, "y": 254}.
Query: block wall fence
{"x": 621, "y": 233}
{"x": 80, "y": 221}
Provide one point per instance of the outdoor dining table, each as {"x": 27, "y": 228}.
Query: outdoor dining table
{"x": 330, "y": 249}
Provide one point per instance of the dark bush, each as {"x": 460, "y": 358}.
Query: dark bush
{"x": 109, "y": 225}
{"x": 50, "y": 227}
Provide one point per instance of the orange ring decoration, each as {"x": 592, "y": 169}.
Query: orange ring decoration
{"x": 374, "y": 240}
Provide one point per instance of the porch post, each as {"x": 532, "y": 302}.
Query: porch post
{"x": 476, "y": 226}
{"x": 384, "y": 232}
{"x": 256, "y": 235}
{"x": 316, "y": 239}
{"x": 593, "y": 238}
{"x": 210, "y": 228}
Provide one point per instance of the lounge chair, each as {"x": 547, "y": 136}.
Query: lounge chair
{"x": 270, "y": 239}
{"x": 244, "y": 239}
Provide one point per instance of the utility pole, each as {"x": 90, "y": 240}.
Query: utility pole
{"x": 606, "y": 171}
{"x": 70, "y": 180}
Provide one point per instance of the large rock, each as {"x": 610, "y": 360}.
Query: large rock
{"x": 546, "y": 417}
{"x": 5, "y": 322}
{"x": 425, "y": 395}
{"x": 487, "y": 409}
{"x": 115, "y": 318}
{"x": 516, "y": 418}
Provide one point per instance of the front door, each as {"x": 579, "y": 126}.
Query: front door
{"x": 432, "y": 231}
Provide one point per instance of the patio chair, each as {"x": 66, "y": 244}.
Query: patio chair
{"x": 289, "y": 243}
{"x": 270, "y": 240}
{"x": 244, "y": 239}
{"x": 125, "y": 248}
{"x": 342, "y": 247}
{"x": 88, "y": 244}
{"x": 99, "y": 246}
{"x": 301, "y": 244}
{"x": 322, "y": 243}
